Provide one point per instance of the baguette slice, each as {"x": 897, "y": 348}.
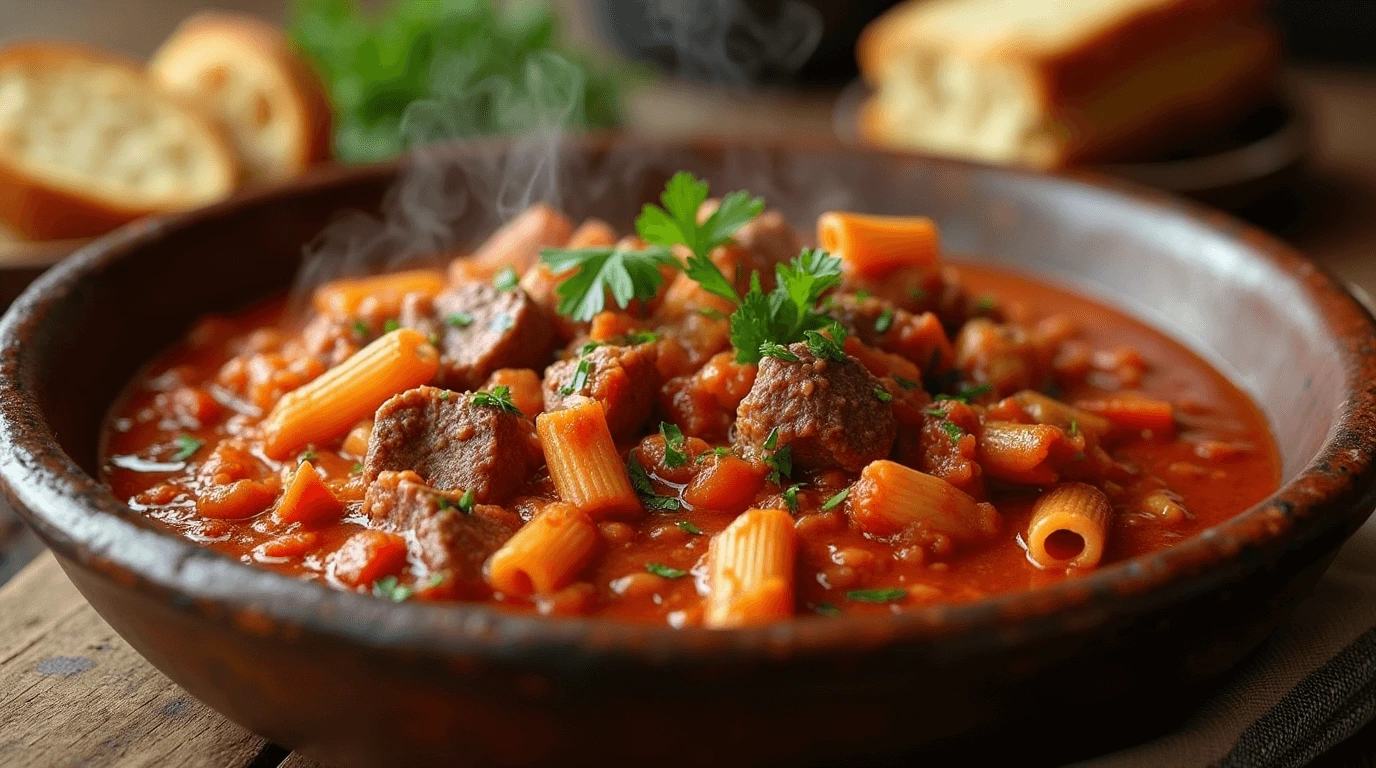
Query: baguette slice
{"x": 1051, "y": 84}
{"x": 88, "y": 143}
{"x": 246, "y": 73}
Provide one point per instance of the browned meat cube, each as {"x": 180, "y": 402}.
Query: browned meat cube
{"x": 623, "y": 378}
{"x": 827, "y": 411}
{"x": 453, "y": 444}
{"x": 480, "y": 328}
{"x": 447, "y": 539}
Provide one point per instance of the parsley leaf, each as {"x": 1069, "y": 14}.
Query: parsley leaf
{"x": 673, "y": 445}
{"x": 661, "y": 503}
{"x": 952, "y": 431}
{"x": 459, "y": 320}
{"x": 778, "y": 352}
{"x": 360, "y": 328}
{"x": 787, "y": 313}
{"x": 835, "y": 501}
{"x": 890, "y": 595}
{"x": 579, "y": 380}
{"x": 883, "y": 396}
{"x": 772, "y": 439}
{"x": 827, "y": 348}
{"x": 781, "y": 464}
{"x": 709, "y": 312}
{"x": 466, "y": 502}
{"x": 677, "y": 222}
{"x": 826, "y": 609}
{"x": 662, "y": 570}
{"x": 640, "y": 481}
{"x": 389, "y": 588}
{"x": 968, "y": 394}
{"x": 390, "y": 325}
{"x": 627, "y": 274}
{"x": 186, "y": 447}
{"x": 635, "y": 338}
{"x": 701, "y": 269}
{"x": 1074, "y": 428}
{"x": 884, "y": 321}
{"x": 905, "y": 383}
{"x": 506, "y": 279}
{"x": 688, "y": 528}
{"x": 790, "y": 495}
{"x": 356, "y": 468}
{"x": 499, "y": 398}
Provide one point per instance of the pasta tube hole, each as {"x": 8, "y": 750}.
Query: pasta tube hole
{"x": 1064, "y": 544}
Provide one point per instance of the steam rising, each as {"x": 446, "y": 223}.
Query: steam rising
{"x": 445, "y": 201}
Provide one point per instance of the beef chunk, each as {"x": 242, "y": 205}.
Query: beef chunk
{"x": 768, "y": 240}
{"x": 443, "y": 536}
{"x": 452, "y": 444}
{"x": 623, "y": 378}
{"x": 481, "y": 329}
{"x": 825, "y": 410}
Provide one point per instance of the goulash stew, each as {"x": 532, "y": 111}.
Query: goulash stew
{"x": 702, "y": 423}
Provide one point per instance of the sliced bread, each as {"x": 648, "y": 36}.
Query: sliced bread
{"x": 246, "y": 73}
{"x": 87, "y": 143}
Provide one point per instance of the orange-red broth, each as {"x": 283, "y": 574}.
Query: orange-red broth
{"x": 833, "y": 557}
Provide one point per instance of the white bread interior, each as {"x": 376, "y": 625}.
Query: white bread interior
{"x": 246, "y": 74}
{"x": 87, "y": 142}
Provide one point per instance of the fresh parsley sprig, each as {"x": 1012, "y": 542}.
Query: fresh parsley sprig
{"x": 676, "y": 223}
{"x": 789, "y": 312}
{"x": 626, "y": 274}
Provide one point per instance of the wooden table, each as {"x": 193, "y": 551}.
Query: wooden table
{"x": 72, "y": 692}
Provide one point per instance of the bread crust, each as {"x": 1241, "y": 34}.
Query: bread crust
{"x": 1074, "y": 85}
{"x": 38, "y": 208}
{"x": 251, "y": 37}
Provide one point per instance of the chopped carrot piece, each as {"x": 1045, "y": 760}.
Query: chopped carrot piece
{"x": 236, "y": 500}
{"x": 308, "y": 500}
{"x": 290, "y": 545}
{"x": 725, "y": 484}
{"x": 368, "y": 556}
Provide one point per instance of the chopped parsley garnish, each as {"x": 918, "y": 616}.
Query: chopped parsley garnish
{"x": 390, "y": 325}
{"x": 586, "y": 348}
{"x": 389, "y": 588}
{"x": 780, "y": 463}
{"x": 360, "y": 328}
{"x": 790, "y": 495}
{"x": 717, "y": 452}
{"x": 968, "y": 394}
{"x": 664, "y": 571}
{"x": 306, "y": 455}
{"x": 626, "y": 274}
{"x": 937, "y": 412}
{"x": 186, "y": 447}
{"x": 466, "y": 502}
{"x": 826, "y": 609}
{"x": 827, "y": 348}
{"x": 459, "y": 320}
{"x": 884, "y": 321}
{"x": 499, "y": 398}
{"x": 434, "y": 339}
{"x": 502, "y": 322}
{"x": 711, "y": 312}
{"x": 1074, "y": 428}
{"x": 579, "y": 380}
{"x": 905, "y": 383}
{"x": 789, "y": 312}
{"x": 952, "y": 431}
{"x": 772, "y": 439}
{"x": 443, "y": 502}
{"x": 918, "y": 294}
{"x": 506, "y": 279}
{"x": 444, "y": 395}
{"x": 890, "y": 595}
{"x": 673, "y": 445}
{"x": 640, "y": 481}
{"x": 985, "y": 304}
{"x": 862, "y": 294}
{"x": 356, "y": 468}
{"x": 883, "y": 396}
{"x": 677, "y": 222}
{"x": 688, "y": 528}
{"x": 835, "y": 501}
{"x": 641, "y": 337}
{"x": 777, "y": 351}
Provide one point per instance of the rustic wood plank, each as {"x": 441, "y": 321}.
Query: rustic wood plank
{"x": 72, "y": 692}
{"x": 296, "y": 760}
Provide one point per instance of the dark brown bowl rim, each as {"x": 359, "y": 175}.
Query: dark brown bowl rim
{"x": 83, "y": 521}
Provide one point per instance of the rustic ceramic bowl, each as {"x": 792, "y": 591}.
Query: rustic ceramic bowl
{"x": 1050, "y": 674}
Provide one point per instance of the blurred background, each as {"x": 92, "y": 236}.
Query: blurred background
{"x": 1260, "y": 107}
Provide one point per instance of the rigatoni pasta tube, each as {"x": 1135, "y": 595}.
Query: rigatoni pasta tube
{"x": 1069, "y": 527}
{"x": 874, "y": 246}
{"x": 1048, "y": 410}
{"x": 1133, "y": 411}
{"x": 339, "y": 398}
{"x": 750, "y": 570}
{"x": 890, "y": 497}
{"x": 545, "y": 554}
{"x": 344, "y": 298}
{"x": 583, "y": 461}
{"x": 1021, "y": 453}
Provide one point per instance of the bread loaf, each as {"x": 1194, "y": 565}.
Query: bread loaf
{"x": 88, "y": 143}
{"x": 246, "y": 73}
{"x": 1055, "y": 82}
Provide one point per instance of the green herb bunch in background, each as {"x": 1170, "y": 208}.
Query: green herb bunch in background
{"x": 424, "y": 70}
